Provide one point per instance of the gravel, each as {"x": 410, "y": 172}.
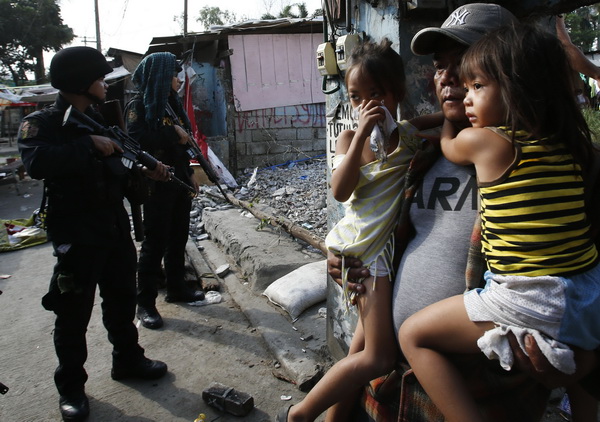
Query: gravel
{"x": 295, "y": 190}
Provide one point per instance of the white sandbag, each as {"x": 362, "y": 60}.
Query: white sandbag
{"x": 300, "y": 289}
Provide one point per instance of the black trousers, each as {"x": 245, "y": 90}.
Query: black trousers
{"x": 166, "y": 228}
{"x": 71, "y": 297}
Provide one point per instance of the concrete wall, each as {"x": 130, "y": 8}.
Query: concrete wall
{"x": 276, "y": 135}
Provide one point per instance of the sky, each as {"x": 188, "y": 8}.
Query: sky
{"x": 131, "y": 24}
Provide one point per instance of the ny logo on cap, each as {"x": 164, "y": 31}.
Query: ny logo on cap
{"x": 458, "y": 17}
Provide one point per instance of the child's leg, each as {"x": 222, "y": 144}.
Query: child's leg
{"x": 443, "y": 327}
{"x": 584, "y": 407}
{"x": 350, "y": 374}
{"x": 341, "y": 410}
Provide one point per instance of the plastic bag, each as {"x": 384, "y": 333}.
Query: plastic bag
{"x": 21, "y": 233}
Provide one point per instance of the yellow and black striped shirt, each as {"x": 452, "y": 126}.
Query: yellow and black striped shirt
{"x": 533, "y": 219}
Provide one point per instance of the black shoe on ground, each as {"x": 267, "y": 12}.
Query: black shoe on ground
{"x": 74, "y": 408}
{"x": 144, "y": 369}
{"x": 188, "y": 295}
{"x": 149, "y": 317}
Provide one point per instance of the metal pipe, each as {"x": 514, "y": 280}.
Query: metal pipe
{"x": 348, "y": 16}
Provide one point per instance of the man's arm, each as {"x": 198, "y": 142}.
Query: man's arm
{"x": 533, "y": 362}
{"x": 579, "y": 62}
{"x": 428, "y": 121}
{"x": 45, "y": 155}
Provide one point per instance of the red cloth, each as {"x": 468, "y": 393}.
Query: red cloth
{"x": 189, "y": 109}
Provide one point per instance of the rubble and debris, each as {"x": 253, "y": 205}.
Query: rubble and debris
{"x": 210, "y": 298}
{"x": 296, "y": 191}
{"x": 228, "y": 399}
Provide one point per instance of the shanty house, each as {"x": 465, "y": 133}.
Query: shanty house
{"x": 256, "y": 90}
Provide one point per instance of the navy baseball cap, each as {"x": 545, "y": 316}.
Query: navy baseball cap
{"x": 466, "y": 25}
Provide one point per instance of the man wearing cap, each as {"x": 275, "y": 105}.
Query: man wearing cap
{"x": 89, "y": 228}
{"x": 439, "y": 232}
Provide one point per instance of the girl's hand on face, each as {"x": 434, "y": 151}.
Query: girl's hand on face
{"x": 370, "y": 113}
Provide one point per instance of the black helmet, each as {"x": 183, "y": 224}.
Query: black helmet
{"x": 74, "y": 69}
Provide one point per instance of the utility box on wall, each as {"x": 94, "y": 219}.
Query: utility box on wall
{"x": 326, "y": 62}
{"x": 343, "y": 49}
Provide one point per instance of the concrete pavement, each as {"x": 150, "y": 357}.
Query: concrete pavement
{"x": 244, "y": 342}
{"x": 260, "y": 257}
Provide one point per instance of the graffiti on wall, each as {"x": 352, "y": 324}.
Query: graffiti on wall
{"x": 342, "y": 120}
{"x": 305, "y": 115}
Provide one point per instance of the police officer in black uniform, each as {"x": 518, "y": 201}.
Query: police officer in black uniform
{"x": 156, "y": 118}
{"x": 88, "y": 225}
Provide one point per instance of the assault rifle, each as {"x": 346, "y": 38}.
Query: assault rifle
{"x": 132, "y": 152}
{"x": 194, "y": 152}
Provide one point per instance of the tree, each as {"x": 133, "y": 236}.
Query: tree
{"x": 289, "y": 12}
{"x": 27, "y": 29}
{"x": 583, "y": 25}
{"x": 210, "y": 16}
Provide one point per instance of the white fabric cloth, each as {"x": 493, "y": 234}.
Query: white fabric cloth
{"x": 515, "y": 302}
{"x": 536, "y": 302}
{"x": 380, "y": 135}
{"x": 494, "y": 344}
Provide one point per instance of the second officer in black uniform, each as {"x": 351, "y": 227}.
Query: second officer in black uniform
{"x": 155, "y": 117}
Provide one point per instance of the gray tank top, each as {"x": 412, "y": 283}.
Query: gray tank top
{"x": 433, "y": 266}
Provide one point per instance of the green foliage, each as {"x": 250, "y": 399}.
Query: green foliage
{"x": 264, "y": 222}
{"x": 209, "y": 16}
{"x": 27, "y": 29}
{"x": 294, "y": 11}
{"x": 592, "y": 118}
{"x": 288, "y": 11}
{"x": 583, "y": 25}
